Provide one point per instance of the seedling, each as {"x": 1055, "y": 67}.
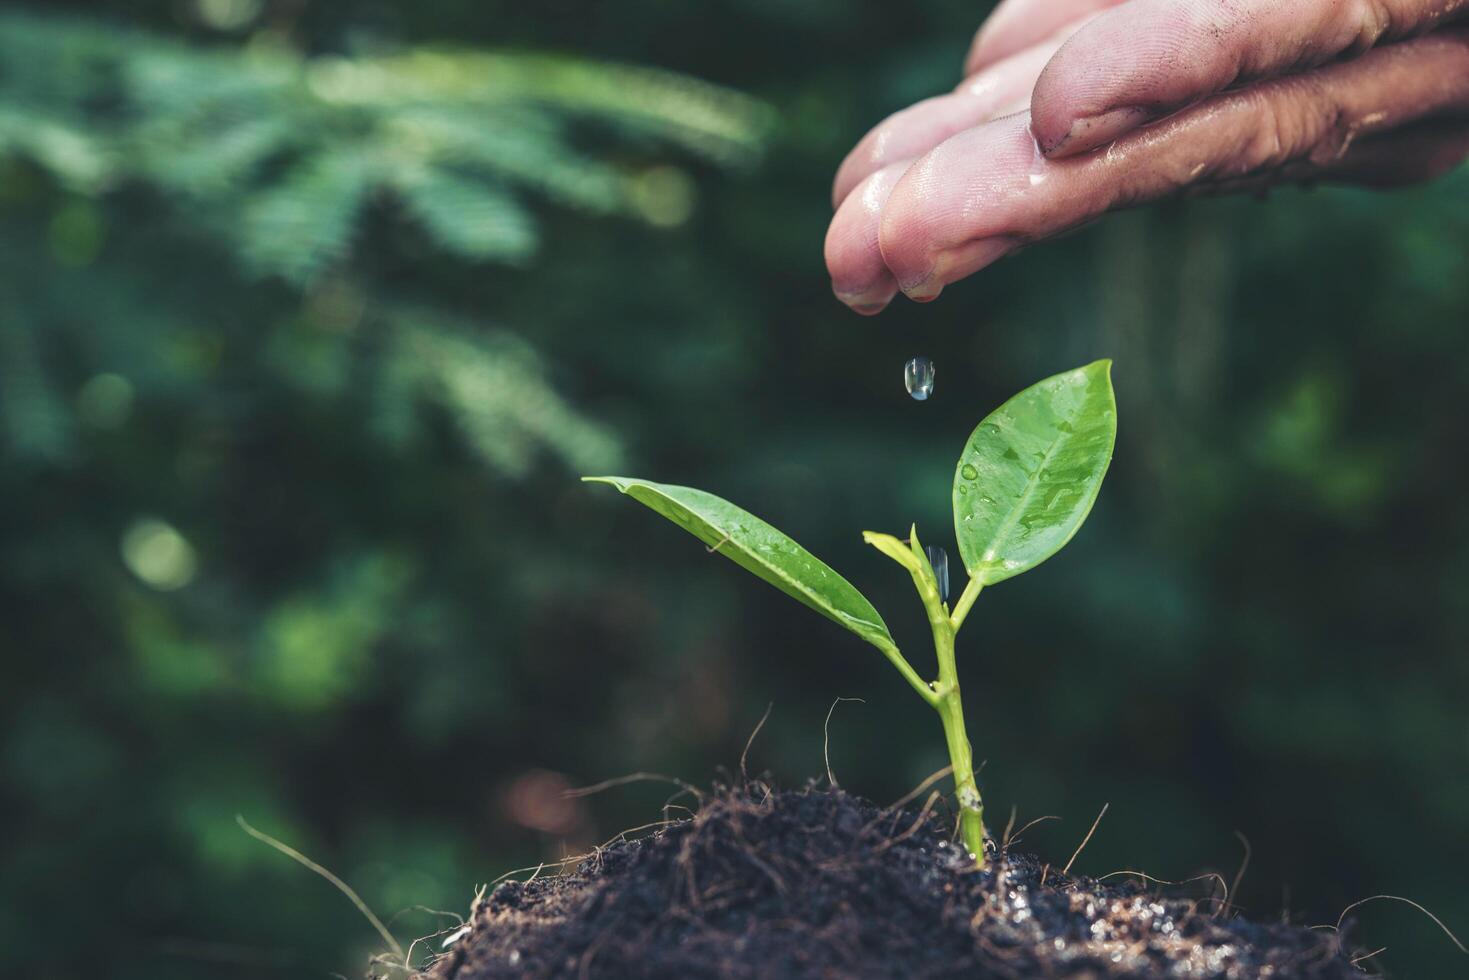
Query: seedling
{"x": 1026, "y": 481}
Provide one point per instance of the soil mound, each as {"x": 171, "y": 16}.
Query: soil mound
{"x": 766, "y": 884}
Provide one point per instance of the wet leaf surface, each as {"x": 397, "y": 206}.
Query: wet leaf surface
{"x": 1031, "y": 470}
{"x": 762, "y": 549}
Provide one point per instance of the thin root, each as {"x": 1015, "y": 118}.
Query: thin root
{"x": 1367, "y": 956}
{"x": 918, "y": 791}
{"x": 1239, "y": 875}
{"x": 1406, "y": 901}
{"x": 636, "y": 777}
{"x": 1085, "y": 840}
{"x": 826, "y": 737}
{"x": 922, "y": 818}
{"x": 751, "y": 740}
{"x": 340, "y": 885}
{"x": 1020, "y": 834}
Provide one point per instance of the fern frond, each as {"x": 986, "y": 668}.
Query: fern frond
{"x": 474, "y": 219}
{"x": 306, "y": 222}
{"x": 494, "y": 387}
{"x": 283, "y": 150}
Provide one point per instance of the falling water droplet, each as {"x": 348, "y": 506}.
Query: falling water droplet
{"x": 918, "y": 378}
{"x": 969, "y": 472}
{"x": 939, "y": 559}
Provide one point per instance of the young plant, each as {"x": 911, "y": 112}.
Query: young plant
{"x": 1026, "y": 481}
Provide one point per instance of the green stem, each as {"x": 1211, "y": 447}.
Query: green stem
{"x": 943, "y": 694}
{"x": 961, "y": 608}
{"x": 950, "y": 707}
{"x": 910, "y": 675}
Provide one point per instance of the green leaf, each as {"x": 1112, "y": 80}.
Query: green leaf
{"x": 910, "y": 555}
{"x": 1031, "y": 471}
{"x": 759, "y": 548}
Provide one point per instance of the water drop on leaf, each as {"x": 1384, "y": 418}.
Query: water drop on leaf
{"x": 969, "y": 472}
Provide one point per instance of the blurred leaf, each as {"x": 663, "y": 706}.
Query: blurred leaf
{"x": 494, "y": 386}
{"x": 209, "y": 124}
{"x": 474, "y": 219}
{"x": 305, "y": 223}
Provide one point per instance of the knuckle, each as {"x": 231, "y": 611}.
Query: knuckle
{"x": 1373, "y": 19}
{"x": 1334, "y": 138}
{"x": 1266, "y": 145}
{"x": 1297, "y": 119}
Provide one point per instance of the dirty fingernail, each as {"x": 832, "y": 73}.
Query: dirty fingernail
{"x": 1094, "y": 131}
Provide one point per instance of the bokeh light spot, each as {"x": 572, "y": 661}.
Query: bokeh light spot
{"x": 663, "y": 196}
{"x": 159, "y": 555}
{"x": 227, "y": 15}
{"x": 105, "y": 401}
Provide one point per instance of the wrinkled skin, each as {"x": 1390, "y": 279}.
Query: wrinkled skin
{"x": 1072, "y": 108}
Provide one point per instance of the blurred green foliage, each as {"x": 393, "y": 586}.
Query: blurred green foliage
{"x": 310, "y": 313}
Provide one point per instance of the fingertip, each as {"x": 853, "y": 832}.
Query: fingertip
{"x": 959, "y": 262}
{"x": 868, "y": 302}
{"x": 982, "y": 51}
{"x": 859, "y": 278}
{"x": 923, "y": 290}
{"x": 1082, "y": 135}
{"x": 952, "y": 211}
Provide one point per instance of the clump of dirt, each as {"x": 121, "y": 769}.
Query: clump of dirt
{"x": 822, "y": 884}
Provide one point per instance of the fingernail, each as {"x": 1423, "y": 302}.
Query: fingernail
{"x": 924, "y": 290}
{"x": 1094, "y": 131}
{"x": 866, "y": 301}
{"x": 953, "y": 264}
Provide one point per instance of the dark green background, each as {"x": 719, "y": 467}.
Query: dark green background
{"x": 408, "y": 625}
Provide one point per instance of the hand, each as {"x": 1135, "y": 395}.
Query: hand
{"x": 1072, "y": 108}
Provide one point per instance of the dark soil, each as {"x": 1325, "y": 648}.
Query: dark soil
{"x": 823, "y": 884}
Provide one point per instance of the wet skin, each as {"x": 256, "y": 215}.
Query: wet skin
{"x": 1072, "y": 108}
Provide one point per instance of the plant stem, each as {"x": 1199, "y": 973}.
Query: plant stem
{"x": 910, "y": 675}
{"x": 961, "y": 608}
{"x": 950, "y": 707}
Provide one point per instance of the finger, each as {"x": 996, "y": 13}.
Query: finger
{"x": 1017, "y": 24}
{"x": 999, "y": 90}
{"x": 1142, "y": 60}
{"x": 980, "y": 194}
{"x": 859, "y": 277}
{"x": 1411, "y": 156}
